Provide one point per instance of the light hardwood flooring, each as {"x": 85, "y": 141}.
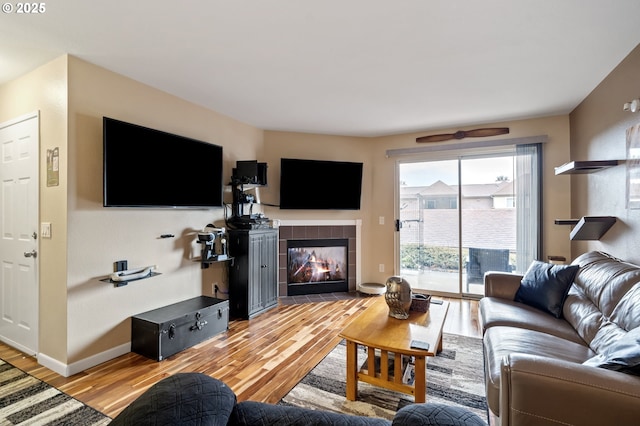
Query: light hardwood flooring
{"x": 259, "y": 359}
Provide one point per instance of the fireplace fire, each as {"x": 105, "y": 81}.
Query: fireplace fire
{"x": 317, "y": 266}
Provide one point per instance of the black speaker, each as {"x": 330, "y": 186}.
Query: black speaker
{"x": 250, "y": 172}
{"x": 246, "y": 171}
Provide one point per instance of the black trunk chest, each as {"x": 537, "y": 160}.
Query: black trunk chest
{"x": 165, "y": 331}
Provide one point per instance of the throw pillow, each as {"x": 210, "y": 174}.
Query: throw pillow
{"x": 545, "y": 286}
{"x": 623, "y": 355}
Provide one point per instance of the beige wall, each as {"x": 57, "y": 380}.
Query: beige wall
{"x": 45, "y": 90}
{"x": 97, "y": 236}
{"x": 378, "y": 195}
{"x": 82, "y": 317}
{"x": 598, "y": 127}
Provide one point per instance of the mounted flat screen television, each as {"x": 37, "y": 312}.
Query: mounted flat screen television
{"x": 144, "y": 167}
{"x": 321, "y": 185}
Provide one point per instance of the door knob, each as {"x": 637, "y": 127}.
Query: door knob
{"x": 31, "y": 253}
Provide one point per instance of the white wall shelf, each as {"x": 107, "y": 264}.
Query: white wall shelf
{"x": 125, "y": 282}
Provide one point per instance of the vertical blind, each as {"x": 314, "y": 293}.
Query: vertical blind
{"x": 528, "y": 182}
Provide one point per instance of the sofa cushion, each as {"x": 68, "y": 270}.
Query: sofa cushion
{"x": 495, "y": 311}
{"x": 499, "y": 342}
{"x": 436, "y": 414}
{"x": 252, "y": 413}
{"x": 181, "y": 399}
{"x": 545, "y": 286}
{"x": 623, "y": 355}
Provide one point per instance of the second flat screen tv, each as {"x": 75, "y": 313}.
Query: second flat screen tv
{"x": 321, "y": 185}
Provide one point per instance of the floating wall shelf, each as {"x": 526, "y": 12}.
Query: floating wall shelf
{"x": 589, "y": 227}
{"x": 582, "y": 167}
{"x": 123, "y": 283}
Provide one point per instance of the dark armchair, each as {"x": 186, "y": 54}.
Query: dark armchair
{"x": 482, "y": 260}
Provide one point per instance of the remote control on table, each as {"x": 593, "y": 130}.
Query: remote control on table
{"x": 419, "y": 344}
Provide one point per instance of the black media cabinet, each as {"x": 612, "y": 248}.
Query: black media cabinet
{"x": 165, "y": 331}
{"x": 253, "y": 277}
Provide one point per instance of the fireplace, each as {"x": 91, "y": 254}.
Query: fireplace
{"x": 317, "y": 266}
{"x": 310, "y": 232}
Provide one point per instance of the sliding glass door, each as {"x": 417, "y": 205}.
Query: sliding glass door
{"x": 459, "y": 216}
{"x": 487, "y": 218}
{"x": 429, "y": 225}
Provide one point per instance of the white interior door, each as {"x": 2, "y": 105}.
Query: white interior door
{"x": 19, "y": 147}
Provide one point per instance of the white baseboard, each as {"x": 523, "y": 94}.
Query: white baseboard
{"x": 67, "y": 370}
{"x": 18, "y": 346}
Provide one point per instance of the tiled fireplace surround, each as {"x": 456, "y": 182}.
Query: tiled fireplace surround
{"x": 301, "y": 231}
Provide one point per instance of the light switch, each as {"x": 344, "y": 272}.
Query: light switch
{"x": 45, "y": 230}
{"x": 381, "y": 220}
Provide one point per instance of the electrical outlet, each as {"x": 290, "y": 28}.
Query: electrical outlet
{"x": 381, "y": 220}
{"x": 45, "y": 230}
{"x": 214, "y": 288}
{"x": 381, "y": 267}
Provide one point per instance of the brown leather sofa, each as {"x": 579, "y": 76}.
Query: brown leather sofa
{"x": 534, "y": 370}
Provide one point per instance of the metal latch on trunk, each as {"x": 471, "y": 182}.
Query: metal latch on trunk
{"x": 171, "y": 332}
{"x": 199, "y": 324}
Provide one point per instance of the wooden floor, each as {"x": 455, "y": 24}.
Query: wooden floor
{"x": 260, "y": 359}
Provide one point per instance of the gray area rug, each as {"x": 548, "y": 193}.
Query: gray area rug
{"x": 454, "y": 377}
{"x": 27, "y": 400}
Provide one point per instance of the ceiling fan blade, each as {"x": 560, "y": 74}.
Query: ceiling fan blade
{"x": 435, "y": 138}
{"x": 489, "y": 131}
{"x": 461, "y": 134}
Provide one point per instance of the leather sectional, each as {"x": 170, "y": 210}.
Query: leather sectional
{"x": 580, "y": 368}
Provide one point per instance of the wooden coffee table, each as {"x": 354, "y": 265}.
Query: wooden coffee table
{"x": 383, "y": 335}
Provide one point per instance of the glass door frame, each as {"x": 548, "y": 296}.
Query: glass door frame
{"x": 449, "y": 155}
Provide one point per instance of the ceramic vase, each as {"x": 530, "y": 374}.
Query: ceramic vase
{"x": 398, "y": 297}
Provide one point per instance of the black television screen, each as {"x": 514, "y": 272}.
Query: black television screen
{"x": 322, "y": 185}
{"x": 144, "y": 167}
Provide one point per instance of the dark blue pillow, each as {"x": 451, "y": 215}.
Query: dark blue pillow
{"x": 623, "y": 355}
{"x": 545, "y": 286}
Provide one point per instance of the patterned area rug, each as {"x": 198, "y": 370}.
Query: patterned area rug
{"x": 454, "y": 377}
{"x": 30, "y": 401}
